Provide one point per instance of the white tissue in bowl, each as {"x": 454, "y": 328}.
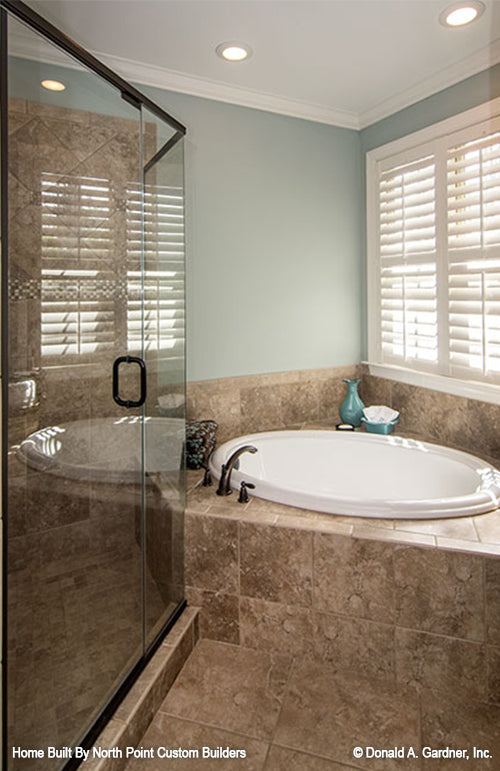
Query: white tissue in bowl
{"x": 380, "y": 414}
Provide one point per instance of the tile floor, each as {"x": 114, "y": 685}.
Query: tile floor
{"x": 301, "y": 715}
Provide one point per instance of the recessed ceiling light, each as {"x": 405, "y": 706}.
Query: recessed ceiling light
{"x": 233, "y": 52}
{"x": 53, "y": 85}
{"x": 459, "y": 14}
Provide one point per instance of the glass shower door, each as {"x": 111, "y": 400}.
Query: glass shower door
{"x": 94, "y": 538}
{"x": 162, "y": 337}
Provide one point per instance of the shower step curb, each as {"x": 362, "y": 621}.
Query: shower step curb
{"x": 130, "y": 721}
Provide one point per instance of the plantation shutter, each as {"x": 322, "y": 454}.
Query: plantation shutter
{"x": 434, "y": 247}
{"x": 408, "y": 268}
{"x": 77, "y": 296}
{"x": 164, "y": 313}
{"x": 473, "y": 205}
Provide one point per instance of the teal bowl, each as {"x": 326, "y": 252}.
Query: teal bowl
{"x": 380, "y": 428}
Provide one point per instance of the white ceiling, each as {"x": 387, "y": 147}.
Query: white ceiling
{"x": 344, "y": 62}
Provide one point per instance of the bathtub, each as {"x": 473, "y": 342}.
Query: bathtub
{"x": 106, "y": 449}
{"x": 363, "y": 475}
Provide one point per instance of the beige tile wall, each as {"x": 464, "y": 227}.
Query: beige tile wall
{"x": 467, "y": 424}
{"x": 243, "y": 405}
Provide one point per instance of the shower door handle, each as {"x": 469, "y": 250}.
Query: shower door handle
{"x": 116, "y": 381}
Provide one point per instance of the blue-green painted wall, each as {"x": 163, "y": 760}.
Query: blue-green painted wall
{"x": 274, "y": 240}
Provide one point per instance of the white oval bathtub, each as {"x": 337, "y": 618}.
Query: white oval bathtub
{"x": 106, "y": 449}
{"x": 363, "y": 475}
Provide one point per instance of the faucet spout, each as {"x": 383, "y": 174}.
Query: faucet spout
{"x": 225, "y": 476}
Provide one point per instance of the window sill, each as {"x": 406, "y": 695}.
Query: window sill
{"x": 470, "y": 389}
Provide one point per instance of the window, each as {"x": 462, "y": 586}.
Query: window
{"x": 434, "y": 250}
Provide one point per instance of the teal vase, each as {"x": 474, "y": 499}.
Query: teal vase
{"x": 351, "y": 409}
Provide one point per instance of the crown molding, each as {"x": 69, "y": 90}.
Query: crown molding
{"x": 149, "y": 75}
{"x": 172, "y": 80}
{"x": 480, "y": 60}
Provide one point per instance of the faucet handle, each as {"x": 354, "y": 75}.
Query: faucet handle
{"x": 243, "y": 496}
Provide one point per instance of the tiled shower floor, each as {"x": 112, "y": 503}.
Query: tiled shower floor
{"x": 65, "y": 655}
{"x": 300, "y": 715}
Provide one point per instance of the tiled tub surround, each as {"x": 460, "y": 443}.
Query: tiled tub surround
{"x": 467, "y": 424}
{"x": 253, "y": 403}
{"x": 402, "y": 603}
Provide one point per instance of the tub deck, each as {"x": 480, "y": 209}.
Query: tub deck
{"x": 476, "y": 534}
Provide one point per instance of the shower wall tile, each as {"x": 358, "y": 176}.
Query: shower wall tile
{"x": 54, "y": 501}
{"x": 76, "y": 136}
{"x": 19, "y": 195}
{"x": 115, "y": 512}
{"x": 57, "y": 113}
{"x": 441, "y": 663}
{"x": 440, "y": 592}
{"x": 36, "y": 142}
{"x": 25, "y": 241}
{"x": 55, "y": 403}
{"x": 276, "y": 564}
{"x": 64, "y": 542}
{"x": 17, "y": 119}
{"x": 354, "y": 577}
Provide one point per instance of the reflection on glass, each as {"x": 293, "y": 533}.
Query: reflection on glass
{"x": 82, "y": 291}
{"x": 160, "y": 319}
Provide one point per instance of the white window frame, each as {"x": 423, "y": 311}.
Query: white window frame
{"x": 405, "y": 149}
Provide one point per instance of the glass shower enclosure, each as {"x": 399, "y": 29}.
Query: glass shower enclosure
{"x": 93, "y": 385}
